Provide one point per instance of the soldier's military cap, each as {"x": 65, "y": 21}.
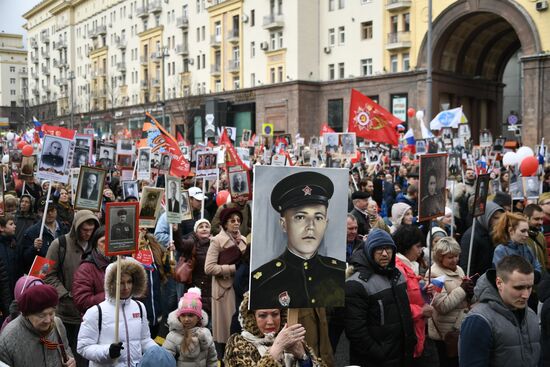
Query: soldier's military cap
{"x": 122, "y": 212}
{"x": 300, "y": 189}
{"x": 152, "y": 195}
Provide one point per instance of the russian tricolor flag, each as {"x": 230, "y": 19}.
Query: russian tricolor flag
{"x": 439, "y": 283}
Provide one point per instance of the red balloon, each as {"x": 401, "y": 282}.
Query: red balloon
{"x": 411, "y": 112}
{"x": 21, "y": 144}
{"x": 529, "y": 166}
{"x": 223, "y": 197}
{"x": 27, "y": 150}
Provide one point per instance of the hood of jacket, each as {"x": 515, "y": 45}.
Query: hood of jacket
{"x": 490, "y": 210}
{"x": 80, "y": 217}
{"x": 398, "y": 211}
{"x": 134, "y": 269}
{"x": 365, "y": 264}
{"x": 248, "y": 320}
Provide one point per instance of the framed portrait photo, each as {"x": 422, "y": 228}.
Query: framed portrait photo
{"x": 150, "y": 206}
{"x": 173, "y": 199}
{"x": 125, "y": 146}
{"x": 531, "y": 187}
{"x": 27, "y": 167}
{"x": 186, "y": 210}
{"x": 54, "y": 159}
{"x": 480, "y": 199}
{"x": 432, "y": 184}
{"x": 144, "y": 164}
{"x": 84, "y": 142}
{"x": 239, "y": 183}
{"x": 123, "y": 160}
{"x": 130, "y": 189}
{"x": 89, "y": 192}
{"x": 121, "y": 223}
{"x": 206, "y": 164}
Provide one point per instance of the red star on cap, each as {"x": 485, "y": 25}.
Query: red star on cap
{"x": 307, "y": 190}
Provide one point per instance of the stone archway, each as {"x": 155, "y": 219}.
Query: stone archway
{"x": 472, "y": 42}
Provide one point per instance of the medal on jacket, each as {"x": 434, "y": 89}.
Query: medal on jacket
{"x": 284, "y": 299}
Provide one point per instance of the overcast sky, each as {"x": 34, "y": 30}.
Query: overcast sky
{"x": 11, "y": 12}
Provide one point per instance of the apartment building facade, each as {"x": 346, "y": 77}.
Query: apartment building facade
{"x": 290, "y": 63}
{"x": 13, "y": 77}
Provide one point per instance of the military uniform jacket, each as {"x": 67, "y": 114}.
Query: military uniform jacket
{"x": 52, "y": 160}
{"x": 291, "y": 281}
{"x": 121, "y": 231}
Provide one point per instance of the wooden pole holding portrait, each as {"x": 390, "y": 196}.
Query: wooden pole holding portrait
{"x": 45, "y": 209}
{"x": 477, "y": 209}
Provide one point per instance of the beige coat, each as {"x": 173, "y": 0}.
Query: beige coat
{"x": 450, "y": 306}
{"x": 223, "y": 295}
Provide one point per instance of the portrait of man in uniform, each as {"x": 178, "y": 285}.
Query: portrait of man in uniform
{"x": 121, "y": 230}
{"x": 531, "y": 187}
{"x": 331, "y": 145}
{"x": 54, "y": 153}
{"x": 143, "y": 160}
{"x": 308, "y": 269}
{"x": 149, "y": 205}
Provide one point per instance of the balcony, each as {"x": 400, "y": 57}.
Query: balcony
{"x": 23, "y": 73}
{"x": 155, "y": 83}
{"x": 33, "y": 43}
{"x": 234, "y": 66}
{"x": 215, "y": 69}
{"x": 45, "y": 70}
{"x": 216, "y": 40}
{"x": 233, "y": 36}
{"x": 156, "y": 57}
{"x": 121, "y": 66}
{"x": 154, "y": 6}
{"x": 143, "y": 84}
{"x": 60, "y": 44}
{"x": 121, "y": 43}
{"x": 144, "y": 60}
{"x": 398, "y": 40}
{"x": 101, "y": 30}
{"x": 182, "y": 50}
{"x": 273, "y": 21}
{"x": 34, "y": 59}
{"x": 395, "y": 5}
{"x": 34, "y": 76}
{"x": 46, "y": 89}
{"x": 35, "y": 92}
{"x": 182, "y": 22}
{"x": 62, "y": 63}
{"x": 63, "y": 82}
{"x": 142, "y": 12}
{"x": 45, "y": 54}
{"x": 45, "y": 38}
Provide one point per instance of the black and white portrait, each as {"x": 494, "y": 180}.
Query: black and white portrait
{"x": 125, "y": 146}
{"x": 80, "y": 157}
{"x": 155, "y": 159}
{"x": 330, "y": 143}
{"x": 144, "y": 164}
{"x": 455, "y": 164}
{"x": 531, "y": 187}
{"x": 27, "y": 167}
{"x": 106, "y": 157}
{"x": 173, "y": 199}
{"x": 348, "y": 144}
{"x": 165, "y": 161}
{"x": 373, "y": 155}
{"x": 121, "y": 224}
{"x": 246, "y": 137}
{"x": 54, "y": 159}
{"x": 149, "y": 206}
{"x": 433, "y": 178}
{"x": 464, "y": 131}
{"x": 485, "y": 138}
{"x": 300, "y": 217}
{"x": 89, "y": 193}
{"x": 421, "y": 147}
{"x": 481, "y": 192}
{"x": 130, "y": 189}
{"x": 499, "y": 144}
{"x": 239, "y": 183}
{"x": 186, "y": 212}
{"x": 206, "y": 164}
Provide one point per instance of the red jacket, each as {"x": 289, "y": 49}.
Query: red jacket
{"x": 89, "y": 283}
{"x": 416, "y": 302}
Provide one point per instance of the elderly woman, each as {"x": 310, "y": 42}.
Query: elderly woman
{"x": 221, "y": 262}
{"x": 96, "y": 338}
{"x": 266, "y": 340}
{"x": 451, "y": 304}
{"x": 375, "y": 220}
{"x": 196, "y": 244}
{"x": 401, "y": 213}
{"x": 409, "y": 241}
{"x": 37, "y": 337}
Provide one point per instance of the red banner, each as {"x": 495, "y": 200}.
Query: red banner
{"x": 58, "y": 131}
{"x": 231, "y": 156}
{"x": 325, "y": 129}
{"x": 41, "y": 267}
{"x": 371, "y": 121}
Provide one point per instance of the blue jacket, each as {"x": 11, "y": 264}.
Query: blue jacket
{"x": 513, "y": 248}
{"x": 26, "y": 245}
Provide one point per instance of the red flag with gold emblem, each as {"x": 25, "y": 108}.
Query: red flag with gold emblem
{"x": 371, "y": 121}
{"x": 231, "y": 156}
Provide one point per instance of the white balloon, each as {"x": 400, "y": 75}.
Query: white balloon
{"x": 524, "y": 152}
{"x": 6, "y": 159}
{"x": 510, "y": 159}
{"x": 419, "y": 115}
{"x": 10, "y": 136}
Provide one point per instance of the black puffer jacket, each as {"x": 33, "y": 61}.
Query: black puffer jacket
{"x": 543, "y": 290}
{"x": 378, "y": 318}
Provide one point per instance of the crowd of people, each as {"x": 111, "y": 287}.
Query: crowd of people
{"x": 439, "y": 292}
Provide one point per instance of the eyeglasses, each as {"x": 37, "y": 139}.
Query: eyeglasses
{"x": 380, "y": 250}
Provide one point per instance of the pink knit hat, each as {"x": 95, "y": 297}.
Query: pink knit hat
{"x": 190, "y": 303}
{"x": 27, "y": 281}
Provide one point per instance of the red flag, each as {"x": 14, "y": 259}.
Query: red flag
{"x": 371, "y": 121}
{"x": 231, "y": 156}
{"x": 179, "y": 167}
{"x": 58, "y": 131}
{"x": 179, "y": 138}
{"x": 325, "y": 129}
{"x": 41, "y": 267}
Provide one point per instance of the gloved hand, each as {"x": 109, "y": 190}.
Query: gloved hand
{"x": 468, "y": 287}
{"x": 114, "y": 350}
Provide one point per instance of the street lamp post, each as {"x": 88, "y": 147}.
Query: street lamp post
{"x": 429, "y": 66}
{"x": 71, "y": 78}
{"x": 163, "y": 53}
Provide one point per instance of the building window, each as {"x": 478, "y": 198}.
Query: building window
{"x": 272, "y": 75}
{"x": 406, "y": 22}
{"x": 203, "y": 32}
{"x": 198, "y": 62}
{"x": 406, "y": 62}
{"x": 273, "y": 41}
{"x": 236, "y": 82}
{"x": 331, "y": 37}
{"x": 366, "y": 67}
{"x": 12, "y": 92}
{"x": 252, "y": 79}
{"x": 12, "y": 80}
{"x": 393, "y": 63}
{"x": 203, "y": 60}
{"x": 331, "y": 72}
{"x": 341, "y": 35}
{"x": 393, "y": 24}
{"x": 341, "y": 4}
{"x": 280, "y": 39}
{"x": 366, "y": 30}
{"x": 335, "y": 116}
{"x": 331, "y": 5}
{"x": 341, "y": 71}
{"x": 252, "y": 17}
{"x": 218, "y": 31}
{"x": 252, "y": 49}
{"x": 218, "y": 85}
{"x": 12, "y": 69}
{"x": 280, "y": 74}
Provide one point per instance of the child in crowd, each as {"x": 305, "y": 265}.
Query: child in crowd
{"x": 189, "y": 340}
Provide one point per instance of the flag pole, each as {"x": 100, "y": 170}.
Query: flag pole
{"x": 117, "y": 297}
{"x": 471, "y": 247}
{"x": 45, "y": 209}
{"x": 27, "y": 278}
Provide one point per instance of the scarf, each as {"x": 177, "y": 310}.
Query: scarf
{"x": 261, "y": 344}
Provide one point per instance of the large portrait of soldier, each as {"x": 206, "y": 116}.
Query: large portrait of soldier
{"x": 121, "y": 226}
{"x": 433, "y": 177}
{"x": 480, "y": 198}
{"x": 54, "y": 159}
{"x": 299, "y": 217}
{"x": 89, "y": 192}
{"x": 150, "y": 206}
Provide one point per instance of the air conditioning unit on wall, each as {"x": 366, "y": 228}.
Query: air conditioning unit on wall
{"x": 245, "y": 18}
{"x": 264, "y": 45}
{"x": 327, "y": 50}
{"x": 541, "y": 5}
